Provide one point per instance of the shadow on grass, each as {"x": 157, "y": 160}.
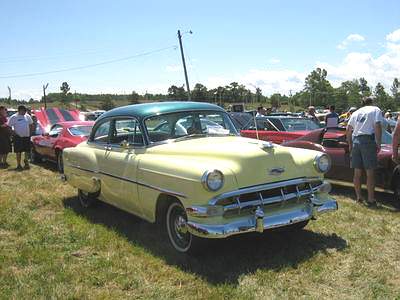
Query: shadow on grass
{"x": 222, "y": 261}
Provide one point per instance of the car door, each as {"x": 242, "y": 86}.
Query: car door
{"x": 117, "y": 162}
{"x": 54, "y": 134}
{"x": 45, "y": 143}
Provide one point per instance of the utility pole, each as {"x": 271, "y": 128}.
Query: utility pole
{"x": 184, "y": 64}
{"x": 9, "y": 94}
{"x": 44, "y": 95}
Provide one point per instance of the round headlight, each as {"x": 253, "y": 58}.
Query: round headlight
{"x": 322, "y": 163}
{"x": 212, "y": 180}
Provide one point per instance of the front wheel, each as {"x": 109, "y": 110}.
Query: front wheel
{"x": 87, "y": 199}
{"x": 60, "y": 164}
{"x": 396, "y": 190}
{"x": 179, "y": 236}
{"x": 34, "y": 156}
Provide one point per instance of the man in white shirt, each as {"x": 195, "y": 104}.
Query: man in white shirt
{"x": 21, "y": 124}
{"x": 364, "y": 135}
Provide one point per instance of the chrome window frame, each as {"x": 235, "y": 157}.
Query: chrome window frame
{"x": 75, "y": 126}
{"x": 150, "y": 144}
{"x": 131, "y": 146}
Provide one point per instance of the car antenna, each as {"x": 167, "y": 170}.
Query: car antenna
{"x": 255, "y": 124}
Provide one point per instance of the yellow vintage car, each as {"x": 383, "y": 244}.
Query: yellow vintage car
{"x": 183, "y": 165}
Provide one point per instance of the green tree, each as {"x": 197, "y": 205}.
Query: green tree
{"x": 177, "y": 93}
{"x": 275, "y": 100}
{"x": 107, "y": 103}
{"x": 134, "y": 98}
{"x": 259, "y": 96}
{"x": 348, "y": 94}
{"x": 199, "y": 93}
{"x": 395, "y": 89}
{"x": 319, "y": 88}
{"x": 383, "y": 100}
{"x": 364, "y": 88}
{"x": 65, "y": 88}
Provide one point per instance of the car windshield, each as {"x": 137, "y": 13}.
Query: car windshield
{"x": 386, "y": 138}
{"x": 188, "y": 124}
{"x": 297, "y": 124}
{"x": 80, "y": 130}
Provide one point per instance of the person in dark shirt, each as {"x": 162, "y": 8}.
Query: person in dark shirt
{"x": 5, "y": 135}
{"x": 332, "y": 119}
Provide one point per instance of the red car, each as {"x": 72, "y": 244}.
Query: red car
{"x": 50, "y": 116}
{"x": 278, "y": 129}
{"x": 62, "y": 135}
{"x": 333, "y": 142}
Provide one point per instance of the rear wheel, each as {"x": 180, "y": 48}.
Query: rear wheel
{"x": 87, "y": 199}
{"x": 35, "y": 157}
{"x": 60, "y": 164}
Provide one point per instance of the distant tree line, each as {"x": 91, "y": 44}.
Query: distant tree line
{"x": 317, "y": 91}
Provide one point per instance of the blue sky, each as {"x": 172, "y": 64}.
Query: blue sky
{"x": 270, "y": 44}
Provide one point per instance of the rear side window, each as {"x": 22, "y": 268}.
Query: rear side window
{"x": 127, "y": 130}
{"x": 101, "y": 133}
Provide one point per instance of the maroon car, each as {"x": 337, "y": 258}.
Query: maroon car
{"x": 333, "y": 142}
{"x": 50, "y": 145}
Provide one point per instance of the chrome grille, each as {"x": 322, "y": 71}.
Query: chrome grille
{"x": 276, "y": 196}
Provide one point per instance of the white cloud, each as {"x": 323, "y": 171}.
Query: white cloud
{"x": 354, "y": 37}
{"x": 394, "y": 36}
{"x": 382, "y": 68}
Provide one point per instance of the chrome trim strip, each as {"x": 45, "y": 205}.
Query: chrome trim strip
{"x": 258, "y": 188}
{"x": 169, "y": 192}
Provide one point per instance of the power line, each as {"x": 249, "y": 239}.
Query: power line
{"x": 90, "y": 65}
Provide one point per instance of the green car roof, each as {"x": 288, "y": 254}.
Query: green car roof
{"x": 141, "y": 111}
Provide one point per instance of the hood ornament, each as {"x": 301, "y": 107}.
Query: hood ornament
{"x": 276, "y": 171}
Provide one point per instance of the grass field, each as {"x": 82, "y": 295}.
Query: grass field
{"x": 51, "y": 248}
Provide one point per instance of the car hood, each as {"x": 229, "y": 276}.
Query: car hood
{"x": 249, "y": 160}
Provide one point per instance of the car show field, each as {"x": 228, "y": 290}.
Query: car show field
{"x": 51, "y": 248}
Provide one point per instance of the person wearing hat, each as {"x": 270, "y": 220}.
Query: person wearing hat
{"x": 364, "y": 135}
{"x": 311, "y": 114}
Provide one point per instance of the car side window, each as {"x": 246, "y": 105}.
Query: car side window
{"x": 55, "y": 131}
{"x": 101, "y": 133}
{"x": 127, "y": 130}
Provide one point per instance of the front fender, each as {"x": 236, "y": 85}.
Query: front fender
{"x": 179, "y": 177}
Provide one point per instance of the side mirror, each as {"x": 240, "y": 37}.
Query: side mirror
{"x": 124, "y": 144}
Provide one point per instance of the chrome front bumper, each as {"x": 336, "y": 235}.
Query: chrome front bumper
{"x": 261, "y": 220}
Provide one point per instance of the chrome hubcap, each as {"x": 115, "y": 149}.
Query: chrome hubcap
{"x": 180, "y": 226}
